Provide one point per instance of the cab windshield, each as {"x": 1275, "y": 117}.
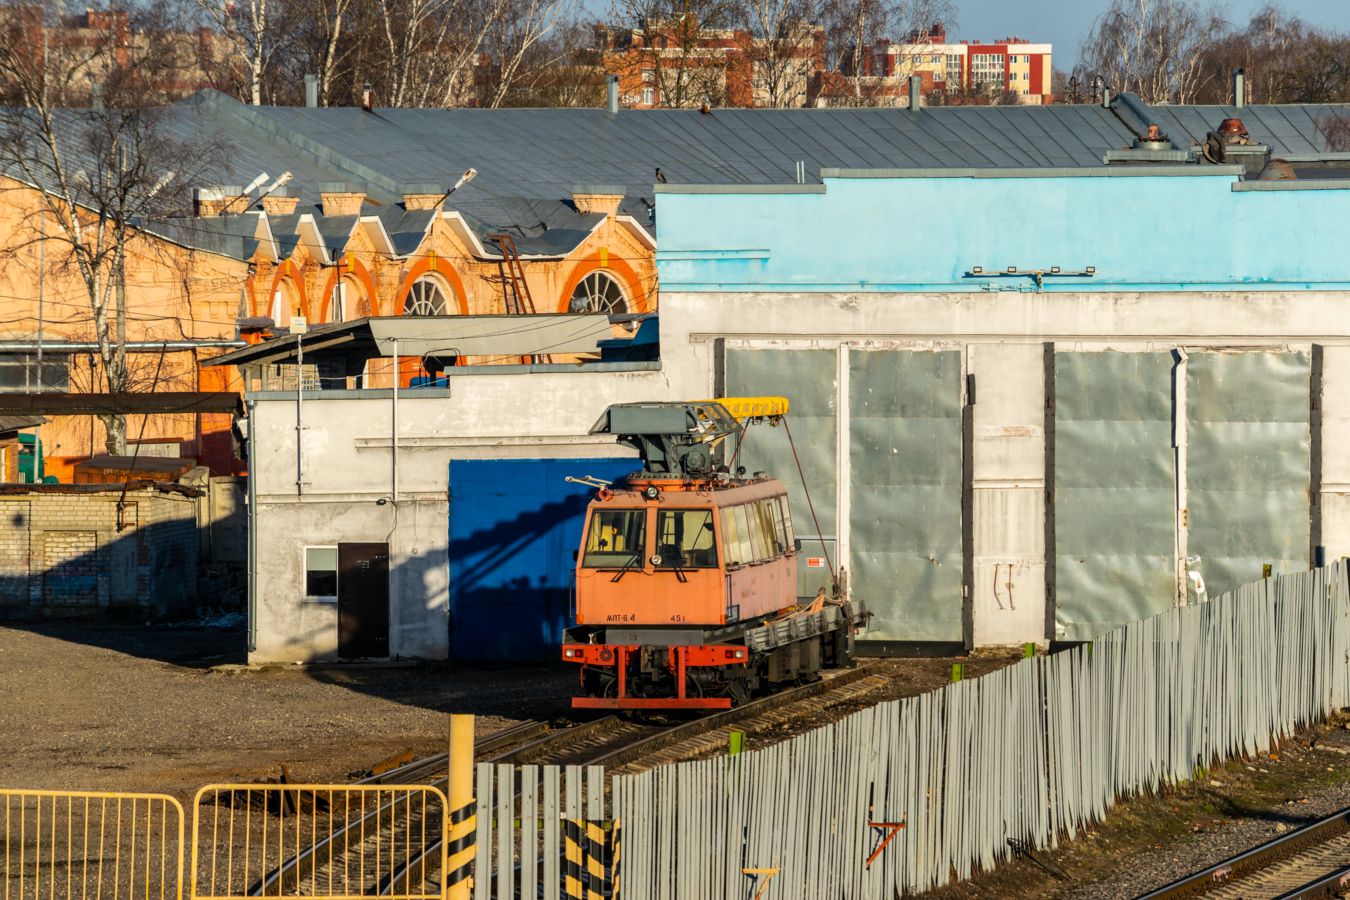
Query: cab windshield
{"x": 685, "y": 540}
{"x": 617, "y": 538}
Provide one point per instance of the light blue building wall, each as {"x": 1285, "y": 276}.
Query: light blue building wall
{"x": 994, "y": 461}
{"x": 1182, "y": 228}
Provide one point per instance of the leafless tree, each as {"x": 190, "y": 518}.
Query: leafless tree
{"x": 1155, "y": 48}
{"x": 779, "y": 45}
{"x": 249, "y": 30}
{"x": 678, "y": 48}
{"x": 514, "y": 38}
{"x": 854, "y": 27}
{"x": 103, "y": 174}
{"x": 1319, "y": 72}
{"x": 1335, "y": 131}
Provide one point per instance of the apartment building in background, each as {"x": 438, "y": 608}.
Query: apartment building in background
{"x": 1012, "y": 64}
{"x": 658, "y": 67}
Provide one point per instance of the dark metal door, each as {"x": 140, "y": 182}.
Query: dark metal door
{"x": 363, "y": 600}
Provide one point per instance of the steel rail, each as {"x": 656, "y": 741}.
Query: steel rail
{"x": 421, "y": 865}
{"x": 412, "y": 771}
{"x": 1253, "y": 860}
{"x": 301, "y": 865}
{"x": 1333, "y": 884}
{"x": 705, "y": 724}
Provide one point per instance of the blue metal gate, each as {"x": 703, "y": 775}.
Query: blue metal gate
{"x": 513, "y": 526}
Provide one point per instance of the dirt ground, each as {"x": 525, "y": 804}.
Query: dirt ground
{"x": 1150, "y": 841}
{"x": 158, "y": 709}
{"x": 119, "y": 708}
{"x": 169, "y": 710}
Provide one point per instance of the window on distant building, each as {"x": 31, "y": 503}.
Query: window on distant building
{"x": 427, "y": 297}
{"x": 937, "y": 76}
{"x": 648, "y": 97}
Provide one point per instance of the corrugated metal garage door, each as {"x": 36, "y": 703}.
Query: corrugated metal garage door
{"x": 513, "y": 526}
{"x": 905, "y": 492}
{"x": 809, "y": 380}
{"x": 1248, "y": 469}
{"x": 1114, "y": 490}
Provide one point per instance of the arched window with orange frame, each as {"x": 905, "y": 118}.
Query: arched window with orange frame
{"x": 602, "y": 283}
{"x": 431, "y": 295}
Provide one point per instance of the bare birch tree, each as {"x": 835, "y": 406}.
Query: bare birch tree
{"x": 521, "y": 28}
{"x": 102, "y": 174}
{"x": 854, "y": 27}
{"x": 677, "y": 48}
{"x": 431, "y": 46}
{"x": 1155, "y": 48}
{"x": 249, "y": 31}
{"x": 780, "y": 45}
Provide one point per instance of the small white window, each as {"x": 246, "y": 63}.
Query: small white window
{"x": 648, "y": 97}
{"x": 321, "y": 573}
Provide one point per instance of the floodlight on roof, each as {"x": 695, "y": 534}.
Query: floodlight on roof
{"x": 464, "y": 179}
{"x": 256, "y": 183}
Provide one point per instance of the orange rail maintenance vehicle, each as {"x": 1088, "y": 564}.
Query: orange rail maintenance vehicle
{"x": 686, "y": 580}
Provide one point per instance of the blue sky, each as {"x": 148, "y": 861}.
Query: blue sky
{"x": 1063, "y": 22}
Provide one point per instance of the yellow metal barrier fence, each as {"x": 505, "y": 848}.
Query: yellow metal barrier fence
{"x": 319, "y": 842}
{"x": 84, "y": 844}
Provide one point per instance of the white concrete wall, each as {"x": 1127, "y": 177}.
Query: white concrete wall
{"x": 1003, "y": 335}
{"x": 347, "y": 494}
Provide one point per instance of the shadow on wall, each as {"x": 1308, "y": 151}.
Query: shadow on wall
{"x": 514, "y": 525}
{"x": 511, "y": 584}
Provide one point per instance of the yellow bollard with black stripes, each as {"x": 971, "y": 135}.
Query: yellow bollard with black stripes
{"x": 460, "y": 828}
{"x": 585, "y": 854}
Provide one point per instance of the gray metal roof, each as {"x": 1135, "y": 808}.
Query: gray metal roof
{"x": 542, "y": 153}
{"x": 529, "y": 160}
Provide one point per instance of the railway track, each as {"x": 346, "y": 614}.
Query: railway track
{"x": 1304, "y": 864}
{"x": 611, "y": 741}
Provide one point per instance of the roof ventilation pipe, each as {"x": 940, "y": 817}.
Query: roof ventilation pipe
{"x": 312, "y": 91}
{"x": 915, "y": 92}
{"x": 1106, "y": 96}
{"x": 365, "y": 96}
{"x": 612, "y": 93}
{"x": 1239, "y": 88}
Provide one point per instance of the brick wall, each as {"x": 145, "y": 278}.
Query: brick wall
{"x": 62, "y": 554}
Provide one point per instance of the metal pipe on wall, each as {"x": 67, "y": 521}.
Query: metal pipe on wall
{"x": 299, "y": 416}
{"x": 1239, "y": 88}
{"x": 915, "y": 93}
{"x": 393, "y": 439}
{"x": 90, "y": 346}
{"x": 612, "y": 93}
{"x": 252, "y": 501}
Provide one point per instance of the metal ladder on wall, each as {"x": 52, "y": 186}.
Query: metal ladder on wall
{"x": 514, "y": 272}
